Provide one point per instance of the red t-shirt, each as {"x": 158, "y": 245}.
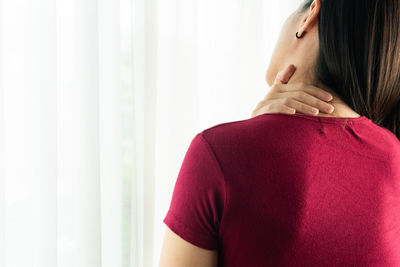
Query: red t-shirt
{"x": 291, "y": 190}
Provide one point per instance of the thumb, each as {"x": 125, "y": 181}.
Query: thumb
{"x": 284, "y": 75}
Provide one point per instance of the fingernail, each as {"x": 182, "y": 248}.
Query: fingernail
{"x": 314, "y": 110}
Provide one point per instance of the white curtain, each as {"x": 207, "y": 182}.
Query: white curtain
{"x": 99, "y": 100}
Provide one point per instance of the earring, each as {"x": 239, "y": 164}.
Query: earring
{"x": 298, "y": 37}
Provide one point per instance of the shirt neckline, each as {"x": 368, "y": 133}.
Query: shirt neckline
{"x": 335, "y": 120}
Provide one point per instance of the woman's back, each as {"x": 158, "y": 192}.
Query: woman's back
{"x": 292, "y": 190}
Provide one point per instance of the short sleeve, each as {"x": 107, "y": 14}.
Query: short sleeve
{"x": 199, "y": 196}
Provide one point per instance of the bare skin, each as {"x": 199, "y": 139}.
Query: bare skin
{"x": 302, "y": 53}
{"x": 177, "y": 252}
{"x": 301, "y": 98}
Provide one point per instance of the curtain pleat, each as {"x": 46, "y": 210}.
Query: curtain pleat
{"x": 79, "y": 224}
{"x": 29, "y": 134}
{"x": 63, "y": 145}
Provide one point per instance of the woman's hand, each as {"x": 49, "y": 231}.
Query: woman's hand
{"x": 292, "y": 98}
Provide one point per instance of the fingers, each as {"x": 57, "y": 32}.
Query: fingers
{"x": 284, "y": 76}
{"x": 294, "y": 97}
{"x": 309, "y": 100}
{"x": 299, "y": 106}
{"x": 311, "y": 90}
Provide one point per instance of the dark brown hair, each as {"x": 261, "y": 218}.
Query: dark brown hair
{"x": 359, "y": 56}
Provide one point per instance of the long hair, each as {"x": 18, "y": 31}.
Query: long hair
{"x": 359, "y": 56}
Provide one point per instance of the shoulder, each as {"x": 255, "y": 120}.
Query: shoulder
{"x": 250, "y": 135}
{"x": 383, "y": 142}
{"x": 249, "y": 129}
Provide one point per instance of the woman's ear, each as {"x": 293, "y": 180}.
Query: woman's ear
{"x": 311, "y": 20}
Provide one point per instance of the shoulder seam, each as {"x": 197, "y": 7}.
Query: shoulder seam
{"x": 225, "y": 123}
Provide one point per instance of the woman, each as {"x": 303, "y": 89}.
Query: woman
{"x": 306, "y": 189}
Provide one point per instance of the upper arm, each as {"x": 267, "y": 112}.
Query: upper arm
{"x": 197, "y": 204}
{"x": 177, "y": 252}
